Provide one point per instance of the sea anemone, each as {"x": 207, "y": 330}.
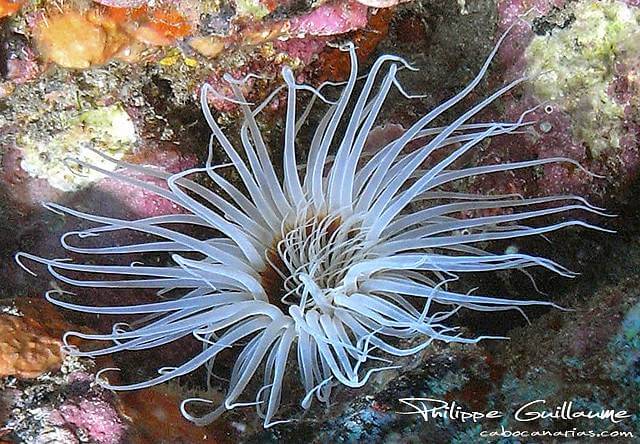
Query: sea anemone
{"x": 342, "y": 263}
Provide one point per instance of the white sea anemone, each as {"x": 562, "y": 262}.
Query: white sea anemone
{"x": 329, "y": 265}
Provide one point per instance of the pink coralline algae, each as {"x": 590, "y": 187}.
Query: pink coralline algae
{"x": 22, "y": 66}
{"x": 330, "y": 19}
{"x": 582, "y": 59}
{"x": 97, "y": 419}
{"x": 301, "y": 49}
{"x": 381, "y": 3}
{"x": 139, "y": 201}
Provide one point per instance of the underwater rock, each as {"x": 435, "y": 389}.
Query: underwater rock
{"x": 68, "y": 407}
{"x": 42, "y": 127}
{"x": 330, "y": 19}
{"x": 109, "y": 30}
{"x": 95, "y": 419}
{"x": 27, "y": 350}
{"x": 39, "y": 384}
{"x": 48, "y": 123}
{"x": 382, "y": 3}
{"x": 48, "y": 397}
{"x": 583, "y": 59}
{"x": 139, "y": 201}
{"x": 31, "y": 334}
{"x": 59, "y": 158}
{"x": 156, "y": 417}
{"x": 65, "y": 407}
{"x": 18, "y": 61}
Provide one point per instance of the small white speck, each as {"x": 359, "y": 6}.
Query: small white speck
{"x": 239, "y": 426}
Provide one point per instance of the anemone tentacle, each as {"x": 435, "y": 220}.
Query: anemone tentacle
{"x": 330, "y": 260}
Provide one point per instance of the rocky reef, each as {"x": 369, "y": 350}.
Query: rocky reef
{"x": 83, "y": 78}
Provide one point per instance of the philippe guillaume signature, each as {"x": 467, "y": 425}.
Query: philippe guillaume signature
{"x": 430, "y": 408}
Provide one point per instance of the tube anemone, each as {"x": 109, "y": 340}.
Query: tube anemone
{"x": 329, "y": 265}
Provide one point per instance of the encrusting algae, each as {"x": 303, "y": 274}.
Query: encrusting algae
{"x": 575, "y": 67}
{"x": 107, "y": 129}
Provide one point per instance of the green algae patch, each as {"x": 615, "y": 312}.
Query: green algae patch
{"x": 574, "y": 67}
{"x": 251, "y": 8}
{"x": 108, "y": 130}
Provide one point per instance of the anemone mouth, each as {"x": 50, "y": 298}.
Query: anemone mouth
{"x": 273, "y": 278}
{"x": 309, "y": 259}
